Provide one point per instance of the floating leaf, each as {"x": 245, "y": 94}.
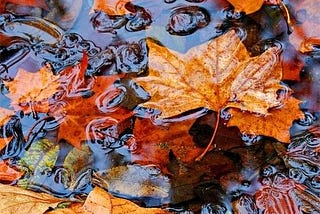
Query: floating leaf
{"x": 17, "y": 200}
{"x": 275, "y": 124}
{"x": 216, "y": 75}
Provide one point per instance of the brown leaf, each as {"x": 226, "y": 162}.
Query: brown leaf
{"x": 7, "y": 173}
{"x": 276, "y": 124}
{"x": 32, "y": 3}
{"x": 30, "y": 91}
{"x": 17, "y": 200}
{"x": 154, "y": 143}
{"x": 110, "y": 7}
{"x": 247, "y": 6}
{"x": 216, "y": 75}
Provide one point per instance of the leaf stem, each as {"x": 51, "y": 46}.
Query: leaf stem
{"x": 199, "y": 158}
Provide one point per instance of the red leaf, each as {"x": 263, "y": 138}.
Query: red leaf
{"x": 31, "y": 3}
{"x": 154, "y": 143}
{"x": 7, "y": 173}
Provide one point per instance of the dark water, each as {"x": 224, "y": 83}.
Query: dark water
{"x": 235, "y": 177}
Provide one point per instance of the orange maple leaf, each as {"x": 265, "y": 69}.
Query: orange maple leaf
{"x": 271, "y": 124}
{"x": 73, "y": 81}
{"x": 216, "y": 75}
{"x": 78, "y": 112}
{"x": 30, "y": 92}
{"x": 32, "y": 3}
{"x": 153, "y": 143}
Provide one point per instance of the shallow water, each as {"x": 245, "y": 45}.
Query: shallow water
{"x": 236, "y": 176}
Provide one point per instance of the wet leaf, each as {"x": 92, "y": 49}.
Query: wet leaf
{"x": 111, "y": 7}
{"x": 73, "y": 80}
{"x": 17, "y": 200}
{"x": 216, "y": 75}
{"x": 135, "y": 181}
{"x": 276, "y": 124}
{"x": 278, "y": 196}
{"x": 305, "y": 32}
{"x": 30, "y": 91}
{"x": 76, "y": 113}
{"x": 154, "y": 143}
{"x": 248, "y": 6}
{"x": 100, "y": 201}
{"x": 31, "y": 3}
{"x": 7, "y": 173}
{"x": 5, "y": 114}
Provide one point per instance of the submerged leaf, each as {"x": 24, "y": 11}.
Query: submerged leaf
{"x": 30, "y": 91}
{"x": 135, "y": 181}
{"x": 153, "y": 143}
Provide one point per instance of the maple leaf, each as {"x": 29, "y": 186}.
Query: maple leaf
{"x": 32, "y": 3}
{"x": 73, "y": 81}
{"x": 17, "y": 200}
{"x": 154, "y": 143}
{"x": 215, "y": 75}
{"x": 248, "y": 6}
{"x": 30, "y": 92}
{"x": 78, "y": 112}
{"x": 275, "y": 124}
{"x": 7, "y": 173}
{"x": 110, "y": 7}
